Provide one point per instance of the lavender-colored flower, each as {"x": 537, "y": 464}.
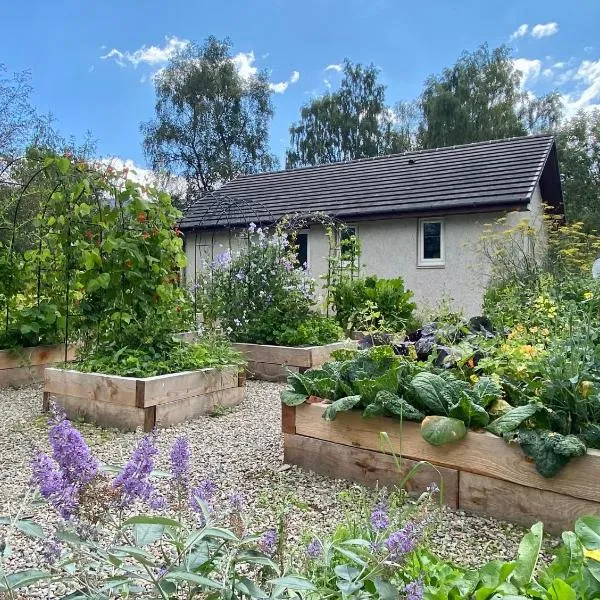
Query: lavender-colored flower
{"x": 203, "y": 494}
{"x": 403, "y": 541}
{"x": 241, "y": 275}
{"x": 236, "y": 501}
{"x": 379, "y": 516}
{"x": 414, "y": 590}
{"x": 53, "y": 485}
{"x": 50, "y": 550}
{"x": 70, "y": 451}
{"x": 222, "y": 260}
{"x": 252, "y": 227}
{"x": 433, "y": 488}
{"x": 268, "y": 541}
{"x": 134, "y": 481}
{"x": 180, "y": 462}
{"x": 314, "y": 549}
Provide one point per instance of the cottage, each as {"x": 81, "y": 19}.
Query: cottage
{"x": 418, "y": 215}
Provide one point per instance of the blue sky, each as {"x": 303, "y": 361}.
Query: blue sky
{"x": 555, "y": 42}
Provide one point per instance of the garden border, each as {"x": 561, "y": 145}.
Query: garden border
{"x": 148, "y": 402}
{"x": 480, "y": 473}
{"x": 272, "y": 363}
{"x": 24, "y": 366}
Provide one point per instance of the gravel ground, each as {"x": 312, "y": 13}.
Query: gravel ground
{"x": 240, "y": 450}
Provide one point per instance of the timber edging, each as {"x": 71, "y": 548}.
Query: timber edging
{"x": 481, "y": 473}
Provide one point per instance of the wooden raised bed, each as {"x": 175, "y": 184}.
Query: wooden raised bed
{"x": 481, "y": 473}
{"x": 26, "y": 365}
{"x": 272, "y": 363}
{"x": 131, "y": 402}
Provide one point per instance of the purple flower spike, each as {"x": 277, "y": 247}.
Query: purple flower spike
{"x": 414, "y": 590}
{"x": 236, "y": 501}
{"x": 180, "y": 462}
{"x": 70, "y": 451}
{"x": 268, "y": 541}
{"x": 379, "y": 516}
{"x": 134, "y": 481}
{"x": 51, "y": 550}
{"x": 314, "y": 549}
{"x": 53, "y": 485}
{"x": 403, "y": 541}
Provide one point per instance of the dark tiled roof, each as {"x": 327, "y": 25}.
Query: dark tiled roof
{"x": 494, "y": 175}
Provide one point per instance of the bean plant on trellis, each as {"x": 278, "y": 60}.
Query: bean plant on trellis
{"x": 101, "y": 262}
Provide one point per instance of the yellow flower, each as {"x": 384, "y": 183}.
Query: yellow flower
{"x": 593, "y": 554}
{"x": 528, "y": 349}
{"x": 545, "y": 332}
{"x": 586, "y": 388}
{"x": 474, "y": 378}
{"x": 533, "y": 330}
{"x": 520, "y": 327}
{"x": 588, "y": 296}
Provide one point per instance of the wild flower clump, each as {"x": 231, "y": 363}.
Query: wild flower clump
{"x": 259, "y": 293}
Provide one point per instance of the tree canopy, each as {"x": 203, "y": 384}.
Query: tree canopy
{"x": 211, "y": 124}
{"x": 349, "y": 123}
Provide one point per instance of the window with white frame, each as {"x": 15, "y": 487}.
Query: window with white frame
{"x": 431, "y": 243}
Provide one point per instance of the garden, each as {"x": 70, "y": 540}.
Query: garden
{"x": 147, "y": 467}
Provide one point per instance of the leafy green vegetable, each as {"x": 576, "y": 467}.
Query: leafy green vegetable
{"x": 528, "y": 555}
{"x": 471, "y": 414}
{"x": 340, "y": 405}
{"x": 510, "y": 420}
{"x": 429, "y": 389}
{"x": 394, "y": 404}
{"x": 442, "y": 430}
{"x": 551, "y": 451}
{"x": 292, "y": 398}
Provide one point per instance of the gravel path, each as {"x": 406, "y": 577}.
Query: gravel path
{"x": 240, "y": 450}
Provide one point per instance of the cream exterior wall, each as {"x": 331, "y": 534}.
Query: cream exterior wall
{"x": 390, "y": 249}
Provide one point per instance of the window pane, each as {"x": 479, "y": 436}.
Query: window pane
{"x": 432, "y": 240}
{"x": 302, "y": 243}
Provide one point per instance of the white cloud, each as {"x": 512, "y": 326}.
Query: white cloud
{"x": 547, "y": 73}
{"x": 540, "y": 31}
{"x": 519, "y": 32}
{"x": 280, "y": 87}
{"x": 586, "y": 96}
{"x": 334, "y": 67}
{"x": 559, "y": 65}
{"x": 151, "y": 55}
{"x": 530, "y": 68}
{"x": 244, "y": 63}
{"x": 327, "y": 83}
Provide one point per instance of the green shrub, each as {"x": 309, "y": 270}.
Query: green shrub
{"x": 388, "y": 304}
{"x": 261, "y": 295}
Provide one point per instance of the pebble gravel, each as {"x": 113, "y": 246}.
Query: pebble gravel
{"x": 242, "y": 451}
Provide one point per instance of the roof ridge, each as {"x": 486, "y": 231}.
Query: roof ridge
{"x": 394, "y": 155}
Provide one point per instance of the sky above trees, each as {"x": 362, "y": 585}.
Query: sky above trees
{"x": 92, "y": 66}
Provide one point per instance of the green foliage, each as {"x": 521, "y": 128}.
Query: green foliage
{"x": 347, "y": 124}
{"x": 159, "y": 359}
{"x": 442, "y": 430}
{"x": 388, "y": 304}
{"x": 211, "y": 123}
{"x": 259, "y": 294}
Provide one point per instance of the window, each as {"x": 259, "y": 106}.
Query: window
{"x": 431, "y": 243}
{"x": 302, "y": 249}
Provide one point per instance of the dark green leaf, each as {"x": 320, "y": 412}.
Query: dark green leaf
{"x": 511, "y": 420}
{"x": 340, "y": 405}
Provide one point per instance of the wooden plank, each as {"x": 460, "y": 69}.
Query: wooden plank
{"x": 269, "y": 371}
{"x": 321, "y": 354}
{"x": 21, "y": 376}
{"x": 366, "y": 466}
{"x": 91, "y": 386}
{"x": 186, "y": 409}
{"x": 101, "y": 413}
{"x": 229, "y": 377}
{"x": 35, "y": 356}
{"x": 521, "y": 504}
{"x": 288, "y": 418}
{"x": 276, "y": 355}
{"x": 481, "y": 453}
{"x": 174, "y": 386}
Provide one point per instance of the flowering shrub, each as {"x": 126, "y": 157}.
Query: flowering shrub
{"x": 260, "y": 294}
{"x": 103, "y": 548}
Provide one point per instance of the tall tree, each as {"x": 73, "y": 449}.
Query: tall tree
{"x": 578, "y": 141}
{"x": 211, "y": 124}
{"x": 349, "y": 123}
{"x": 474, "y": 100}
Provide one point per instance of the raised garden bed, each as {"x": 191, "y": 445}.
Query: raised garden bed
{"x": 26, "y": 365}
{"x": 131, "y": 402}
{"x": 272, "y": 363}
{"x": 480, "y": 473}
